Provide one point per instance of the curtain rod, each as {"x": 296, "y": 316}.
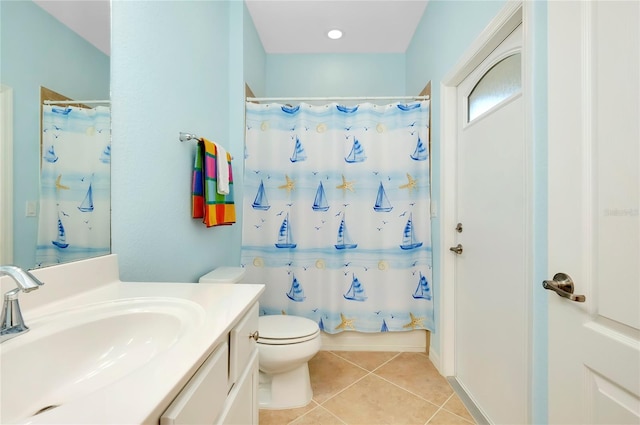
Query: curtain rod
{"x": 70, "y": 102}
{"x": 298, "y": 99}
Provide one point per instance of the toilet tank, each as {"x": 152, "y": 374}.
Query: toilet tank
{"x": 223, "y": 275}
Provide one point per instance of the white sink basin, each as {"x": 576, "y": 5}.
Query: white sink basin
{"x": 70, "y": 354}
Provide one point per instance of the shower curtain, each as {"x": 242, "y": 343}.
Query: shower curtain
{"x": 336, "y": 214}
{"x": 75, "y": 207}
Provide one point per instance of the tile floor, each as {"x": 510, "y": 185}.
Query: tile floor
{"x": 374, "y": 388}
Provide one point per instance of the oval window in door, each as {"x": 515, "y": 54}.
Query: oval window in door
{"x": 500, "y": 82}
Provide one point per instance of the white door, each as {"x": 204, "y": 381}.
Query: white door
{"x": 491, "y": 311}
{"x": 594, "y": 222}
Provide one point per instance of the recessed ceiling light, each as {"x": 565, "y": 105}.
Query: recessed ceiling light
{"x": 334, "y": 34}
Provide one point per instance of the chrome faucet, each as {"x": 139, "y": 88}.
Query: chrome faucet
{"x": 12, "y": 321}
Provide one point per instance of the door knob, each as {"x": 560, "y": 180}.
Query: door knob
{"x": 457, "y": 249}
{"x": 563, "y": 286}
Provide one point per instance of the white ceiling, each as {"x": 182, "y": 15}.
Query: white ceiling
{"x": 289, "y": 26}
{"x": 369, "y": 26}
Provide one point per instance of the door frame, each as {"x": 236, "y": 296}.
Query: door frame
{"x": 511, "y": 15}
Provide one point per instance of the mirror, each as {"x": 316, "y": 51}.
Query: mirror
{"x": 60, "y": 45}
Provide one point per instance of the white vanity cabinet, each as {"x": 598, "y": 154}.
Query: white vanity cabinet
{"x": 224, "y": 390}
{"x": 242, "y": 403}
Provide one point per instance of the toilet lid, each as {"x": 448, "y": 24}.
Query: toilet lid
{"x": 284, "y": 329}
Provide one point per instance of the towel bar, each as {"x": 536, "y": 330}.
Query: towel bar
{"x": 184, "y": 137}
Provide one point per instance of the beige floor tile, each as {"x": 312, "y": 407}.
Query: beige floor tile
{"x": 284, "y": 416}
{"x": 331, "y": 374}
{"x": 445, "y": 418}
{"x": 369, "y": 360}
{"x": 372, "y": 400}
{"x": 455, "y": 405}
{"x": 416, "y": 373}
{"x": 318, "y": 416}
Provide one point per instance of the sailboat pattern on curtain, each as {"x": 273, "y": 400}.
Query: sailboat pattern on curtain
{"x": 75, "y": 208}
{"x": 337, "y": 214}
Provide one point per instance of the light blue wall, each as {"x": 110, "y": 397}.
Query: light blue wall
{"x": 237, "y": 69}
{"x": 172, "y": 71}
{"x": 185, "y": 72}
{"x": 445, "y": 32}
{"x": 540, "y": 356}
{"x": 255, "y": 58}
{"x": 318, "y": 75}
{"x": 37, "y": 50}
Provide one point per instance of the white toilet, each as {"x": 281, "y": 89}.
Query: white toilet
{"x": 285, "y": 345}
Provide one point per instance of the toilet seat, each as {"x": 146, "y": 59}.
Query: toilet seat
{"x": 286, "y": 330}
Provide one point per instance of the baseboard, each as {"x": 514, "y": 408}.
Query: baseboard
{"x": 434, "y": 356}
{"x": 471, "y": 406}
{"x": 415, "y": 341}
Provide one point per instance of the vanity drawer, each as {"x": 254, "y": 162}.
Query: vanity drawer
{"x": 202, "y": 399}
{"x": 242, "y": 343}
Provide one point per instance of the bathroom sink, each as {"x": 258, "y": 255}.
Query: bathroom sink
{"x": 70, "y": 354}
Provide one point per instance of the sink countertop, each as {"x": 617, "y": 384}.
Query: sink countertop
{"x": 140, "y": 396}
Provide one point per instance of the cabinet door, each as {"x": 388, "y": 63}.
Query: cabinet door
{"x": 242, "y": 343}
{"x": 242, "y": 406}
{"x": 202, "y": 399}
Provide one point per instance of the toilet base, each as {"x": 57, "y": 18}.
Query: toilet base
{"x": 285, "y": 390}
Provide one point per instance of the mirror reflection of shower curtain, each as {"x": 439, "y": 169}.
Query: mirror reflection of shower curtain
{"x": 75, "y": 182}
{"x": 336, "y": 214}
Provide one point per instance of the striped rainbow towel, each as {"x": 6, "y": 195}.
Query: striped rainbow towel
{"x": 214, "y": 208}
